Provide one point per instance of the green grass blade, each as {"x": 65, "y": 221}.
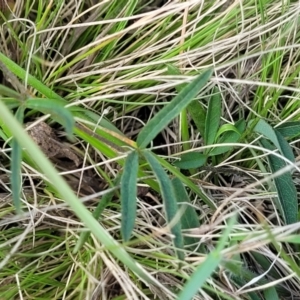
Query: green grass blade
{"x": 200, "y": 276}
{"x": 213, "y": 117}
{"x": 191, "y": 160}
{"x": 170, "y": 111}
{"x": 21, "y": 73}
{"x": 53, "y": 107}
{"x": 204, "y": 270}
{"x": 189, "y": 218}
{"x": 128, "y": 194}
{"x": 287, "y": 193}
{"x": 169, "y": 198}
{"x": 16, "y": 160}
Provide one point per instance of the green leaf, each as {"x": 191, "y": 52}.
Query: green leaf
{"x": 171, "y": 110}
{"x": 287, "y": 194}
{"x": 289, "y": 129}
{"x": 191, "y": 160}
{"x": 232, "y": 135}
{"x": 16, "y": 161}
{"x": 128, "y": 194}
{"x": 169, "y": 198}
{"x": 189, "y": 218}
{"x": 271, "y": 294}
{"x": 22, "y": 74}
{"x": 55, "y": 108}
{"x": 213, "y": 117}
{"x": 281, "y": 144}
{"x": 199, "y": 277}
{"x": 198, "y": 115}
{"x": 195, "y": 109}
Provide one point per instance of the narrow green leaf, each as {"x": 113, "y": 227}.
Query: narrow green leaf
{"x": 202, "y": 273}
{"x": 289, "y": 129}
{"x": 8, "y": 92}
{"x": 22, "y": 74}
{"x": 213, "y": 117}
{"x": 189, "y": 218}
{"x": 205, "y": 269}
{"x": 128, "y": 194}
{"x": 230, "y": 136}
{"x": 53, "y": 107}
{"x": 198, "y": 115}
{"x": 188, "y": 182}
{"x": 170, "y": 111}
{"x": 169, "y": 198}
{"x": 16, "y": 160}
{"x": 266, "y": 130}
{"x": 191, "y": 160}
{"x": 287, "y": 193}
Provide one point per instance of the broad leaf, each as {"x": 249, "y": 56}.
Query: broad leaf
{"x": 128, "y": 194}
{"x": 191, "y": 160}
{"x": 171, "y": 110}
{"x": 169, "y": 198}
{"x": 289, "y": 129}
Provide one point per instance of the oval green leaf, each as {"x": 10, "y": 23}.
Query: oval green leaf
{"x": 191, "y": 160}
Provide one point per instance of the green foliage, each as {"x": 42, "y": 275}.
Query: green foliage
{"x": 128, "y": 194}
{"x": 287, "y": 202}
{"x": 213, "y": 117}
{"x": 93, "y": 68}
{"x": 169, "y": 199}
{"x": 191, "y": 160}
{"x": 16, "y": 161}
{"x": 189, "y": 218}
{"x": 204, "y": 270}
{"x": 170, "y": 111}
